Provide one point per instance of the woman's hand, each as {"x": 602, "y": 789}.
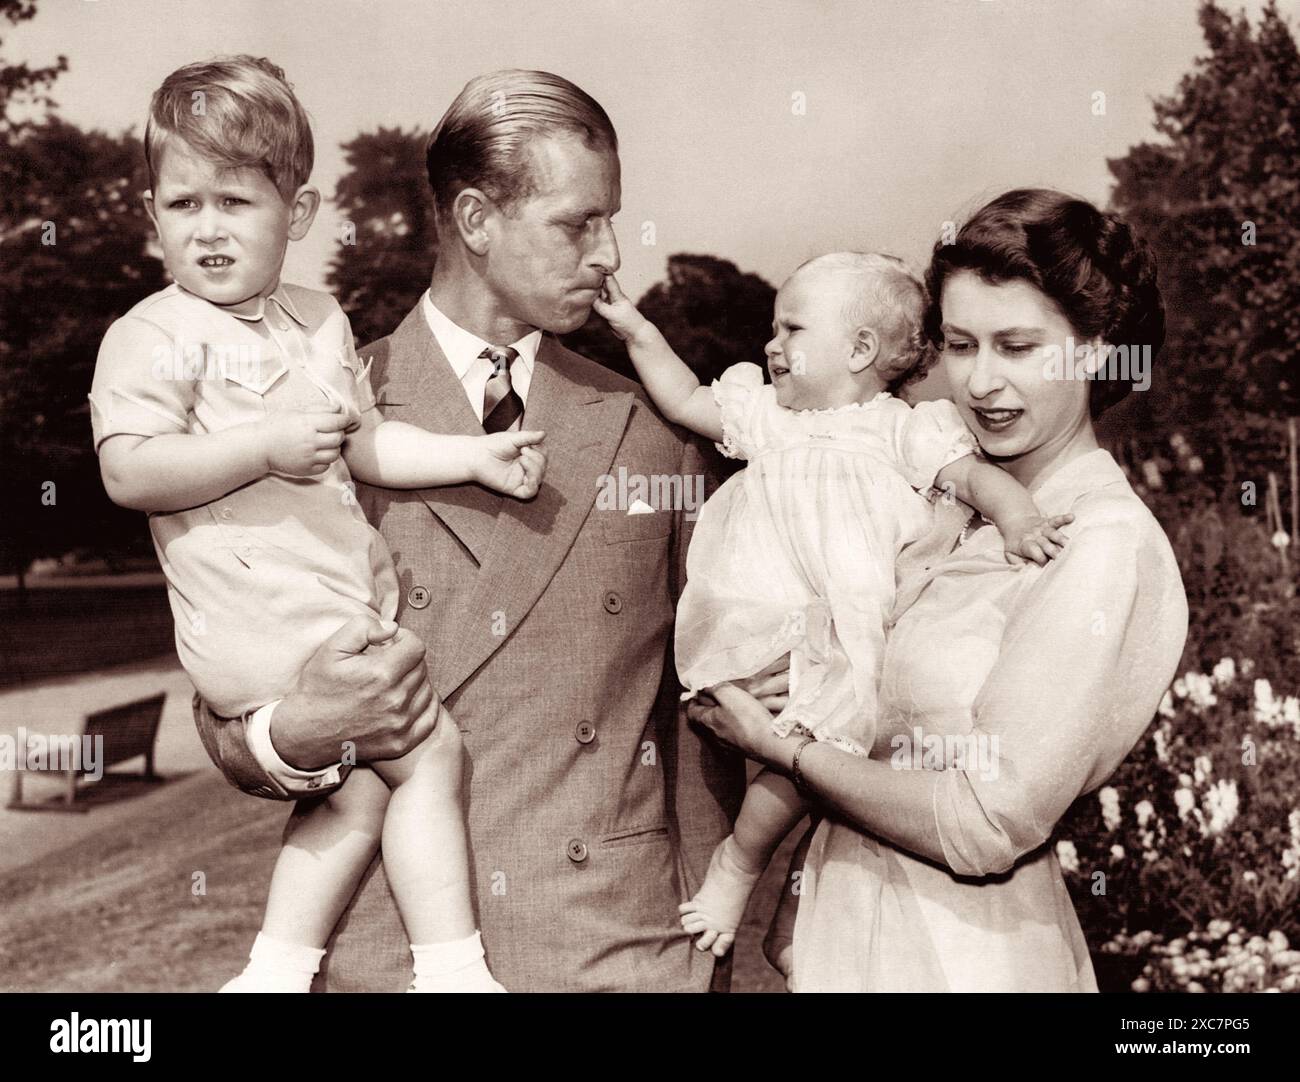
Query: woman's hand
{"x": 737, "y": 718}
{"x": 771, "y": 686}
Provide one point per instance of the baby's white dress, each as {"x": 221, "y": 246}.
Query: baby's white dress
{"x": 795, "y": 554}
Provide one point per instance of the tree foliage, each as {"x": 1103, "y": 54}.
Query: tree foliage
{"x": 1219, "y": 200}
{"x": 73, "y": 257}
{"x": 385, "y": 255}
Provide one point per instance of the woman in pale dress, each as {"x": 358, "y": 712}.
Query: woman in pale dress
{"x": 932, "y": 867}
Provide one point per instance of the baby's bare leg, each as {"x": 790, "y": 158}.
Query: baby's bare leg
{"x": 770, "y": 810}
{"x": 426, "y": 859}
{"x": 328, "y": 843}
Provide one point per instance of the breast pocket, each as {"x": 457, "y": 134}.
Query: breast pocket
{"x": 617, "y": 526}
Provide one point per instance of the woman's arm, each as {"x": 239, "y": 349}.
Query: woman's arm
{"x": 1083, "y": 662}
{"x": 675, "y": 390}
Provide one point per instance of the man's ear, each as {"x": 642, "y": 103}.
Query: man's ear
{"x": 866, "y": 350}
{"x": 470, "y": 211}
{"x": 302, "y": 211}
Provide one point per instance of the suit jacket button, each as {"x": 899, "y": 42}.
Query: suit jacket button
{"x": 585, "y": 732}
{"x": 418, "y": 597}
{"x": 576, "y": 850}
{"x": 613, "y": 603}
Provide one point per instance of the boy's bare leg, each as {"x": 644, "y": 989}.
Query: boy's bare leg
{"x": 328, "y": 844}
{"x": 426, "y": 860}
{"x": 770, "y": 810}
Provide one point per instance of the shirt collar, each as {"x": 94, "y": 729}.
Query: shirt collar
{"x": 462, "y": 348}
{"x": 281, "y": 298}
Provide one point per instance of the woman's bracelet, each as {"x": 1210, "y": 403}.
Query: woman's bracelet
{"x": 795, "y": 772}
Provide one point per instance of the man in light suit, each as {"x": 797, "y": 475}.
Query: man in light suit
{"x": 592, "y": 806}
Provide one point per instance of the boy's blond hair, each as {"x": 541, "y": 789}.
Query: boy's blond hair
{"x": 890, "y": 298}
{"x": 238, "y": 112}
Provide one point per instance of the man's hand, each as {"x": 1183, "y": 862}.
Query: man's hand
{"x": 302, "y": 444}
{"x": 368, "y": 685}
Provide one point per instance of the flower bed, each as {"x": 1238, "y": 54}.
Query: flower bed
{"x": 1185, "y": 867}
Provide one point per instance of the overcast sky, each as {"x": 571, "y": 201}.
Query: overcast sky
{"x": 914, "y": 111}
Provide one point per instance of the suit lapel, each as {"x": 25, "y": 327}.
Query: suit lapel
{"x": 584, "y": 426}
{"x": 420, "y": 379}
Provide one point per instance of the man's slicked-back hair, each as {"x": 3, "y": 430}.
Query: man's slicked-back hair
{"x": 238, "y": 112}
{"x": 482, "y": 139}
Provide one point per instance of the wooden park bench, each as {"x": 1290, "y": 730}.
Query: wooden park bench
{"x": 126, "y": 731}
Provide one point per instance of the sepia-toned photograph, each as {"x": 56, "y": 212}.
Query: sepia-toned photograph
{"x": 511, "y": 496}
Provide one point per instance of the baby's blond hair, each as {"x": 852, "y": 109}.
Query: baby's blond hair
{"x": 890, "y": 298}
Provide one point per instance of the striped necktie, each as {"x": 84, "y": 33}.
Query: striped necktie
{"x": 502, "y": 406}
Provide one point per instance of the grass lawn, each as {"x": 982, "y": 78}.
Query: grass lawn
{"x": 64, "y": 629}
{"x": 116, "y": 912}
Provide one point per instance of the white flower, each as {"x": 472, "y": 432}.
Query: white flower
{"x": 1184, "y": 801}
{"x": 1068, "y": 856}
{"x": 1117, "y": 852}
{"x": 1291, "y": 855}
{"x": 1110, "y": 815}
{"x": 1221, "y": 802}
{"x": 1268, "y": 711}
{"x": 1180, "y": 687}
{"x": 1281, "y": 540}
{"x": 1144, "y": 810}
{"x": 1200, "y": 690}
{"x": 1225, "y": 672}
{"x": 1202, "y": 768}
{"x": 1194, "y": 464}
{"x": 1161, "y": 741}
{"x": 1166, "y": 707}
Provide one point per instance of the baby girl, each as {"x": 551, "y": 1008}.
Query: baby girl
{"x": 794, "y": 556}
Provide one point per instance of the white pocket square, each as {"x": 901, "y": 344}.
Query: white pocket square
{"x": 640, "y": 507}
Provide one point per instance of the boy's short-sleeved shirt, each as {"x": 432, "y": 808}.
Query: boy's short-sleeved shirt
{"x": 259, "y": 578}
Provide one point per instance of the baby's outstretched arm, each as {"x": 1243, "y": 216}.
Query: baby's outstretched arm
{"x": 669, "y": 382}
{"x": 1004, "y": 501}
{"x": 393, "y": 454}
{"x": 179, "y": 470}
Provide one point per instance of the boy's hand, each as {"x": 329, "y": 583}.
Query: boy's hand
{"x": 303, "y": 444}
{"x": 511, "y": 463}
{"x": 620, "y": 313}
{"x": 1034, "y": 538}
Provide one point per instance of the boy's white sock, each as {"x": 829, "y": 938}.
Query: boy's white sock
{"x": 457, "y": 966}
{"x": 277, "y": 966}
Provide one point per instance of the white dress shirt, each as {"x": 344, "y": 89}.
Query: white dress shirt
{"x": 462, "y": 350}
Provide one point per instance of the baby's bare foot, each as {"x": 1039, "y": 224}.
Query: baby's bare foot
{"x": 717, "y": 908}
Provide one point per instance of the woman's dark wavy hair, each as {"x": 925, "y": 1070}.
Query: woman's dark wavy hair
{"x": 1089, "y": 262}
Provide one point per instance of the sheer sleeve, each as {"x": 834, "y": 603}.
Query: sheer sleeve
{"x": 930, "y": 436}
{"x": 739, "y": 395}
{"x": 1089, "y": 650}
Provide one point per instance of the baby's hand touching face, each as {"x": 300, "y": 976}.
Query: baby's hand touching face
{"x": 613, "y": 305}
